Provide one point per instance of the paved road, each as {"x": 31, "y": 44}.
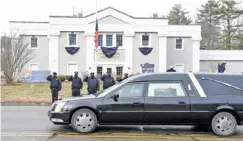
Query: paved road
{"x": 30, "y": 123}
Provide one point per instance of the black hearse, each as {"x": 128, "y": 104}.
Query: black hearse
{"x": 204, "y": 99}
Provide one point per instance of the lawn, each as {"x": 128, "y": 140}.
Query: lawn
{"x": 34, "y": 93}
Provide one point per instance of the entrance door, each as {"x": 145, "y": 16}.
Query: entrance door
{"x": 34, "y": 67}
{"x": 72, "y": 68}
{"x": 179, "y": 67}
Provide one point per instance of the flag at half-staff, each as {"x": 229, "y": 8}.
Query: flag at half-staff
{"x": 96, "y": 36}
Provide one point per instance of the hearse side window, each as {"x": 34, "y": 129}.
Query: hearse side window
{"x": 213, "y": 88}
{"x": 131, "y": 90}
{"x": 163, "y": 89}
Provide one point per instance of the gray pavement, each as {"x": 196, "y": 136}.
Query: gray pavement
{"x": 31, "y": 123}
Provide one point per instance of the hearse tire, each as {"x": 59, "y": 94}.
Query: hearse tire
{"x": 224, "y": 124}
{"x": 84, "y": 121}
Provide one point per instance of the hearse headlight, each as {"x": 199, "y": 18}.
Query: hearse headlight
{"x": 59, "y": 106}
{"x": 66, "y": 108}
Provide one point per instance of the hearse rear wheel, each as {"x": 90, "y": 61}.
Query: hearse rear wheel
{"x": 84, "y": 121}
{"x": 224, "y": 124}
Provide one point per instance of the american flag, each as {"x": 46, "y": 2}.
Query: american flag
{"x": 96, "y": 36}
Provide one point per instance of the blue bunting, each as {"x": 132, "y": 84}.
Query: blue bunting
{"x": 72, "y": 50}
{"x": 109, "y": 51}
{"x": 145, "y": 50}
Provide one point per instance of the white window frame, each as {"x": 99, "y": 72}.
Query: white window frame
{"x": 71, "y": 63}
{"x": 102, "y": 39}
{"x": 96, "y": 70}
{"x": 34, "y": 64}
{"x": 182, "y": 44}
{"x": 141, "y": 39}
{"x": 68, "y": 39}
{"x": 122, "y": 70}
{"x": 122, "y": 40}
{"x": 179, "y": 65}
{"x": 38, "y": 42}
{"x": 112, "y": 40}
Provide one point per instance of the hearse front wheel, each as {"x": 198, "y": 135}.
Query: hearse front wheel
{"x": 84, "y": 121}
{"x": 224, "y": 124}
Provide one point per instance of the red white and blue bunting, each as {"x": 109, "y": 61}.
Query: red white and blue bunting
{"x": 145, "y": 50}
{"x": 72, "y": 50}
{"x": 109, "y": 51}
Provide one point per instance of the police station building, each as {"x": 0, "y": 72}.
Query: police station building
{"x": 127, "y": 44}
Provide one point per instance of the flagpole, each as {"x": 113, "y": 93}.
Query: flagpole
{"x": 95, "y": 65}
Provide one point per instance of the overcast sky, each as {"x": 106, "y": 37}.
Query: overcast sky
{"x": 39, "y": 10}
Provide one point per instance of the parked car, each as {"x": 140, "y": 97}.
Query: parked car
{"x": 204, "y": 99}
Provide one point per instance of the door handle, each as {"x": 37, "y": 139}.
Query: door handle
{"x": 181, "y": 102}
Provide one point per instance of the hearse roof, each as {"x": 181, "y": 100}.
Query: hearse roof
{"x": 174, "y": 76}
{"x": 160, "y": 76}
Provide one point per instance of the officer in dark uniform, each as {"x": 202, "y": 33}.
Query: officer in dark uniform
{"x": 108, "y": 80}
{"x": 77, "y": 84}
{"x": 93, "y": 83}
{"x": 55, "y": 85}
{"x": 125, "y": 77}
{"x": 171, "y": 69}
{"x": 221, "y": 67}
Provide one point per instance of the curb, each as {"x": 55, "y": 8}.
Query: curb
{"x": 24, "y": 104}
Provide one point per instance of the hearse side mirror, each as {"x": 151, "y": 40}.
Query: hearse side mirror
{"x": 115, "y": 96}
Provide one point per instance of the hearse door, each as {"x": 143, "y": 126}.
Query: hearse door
{"x": 166, "y": 102}
{"x": 127, "y": 108}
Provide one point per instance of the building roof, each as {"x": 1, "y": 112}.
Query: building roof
{"x": 57, "y": 16}
{"x": 29, "y": 22}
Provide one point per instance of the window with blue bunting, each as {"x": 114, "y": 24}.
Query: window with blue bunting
{"x": 179, "y": 43}
{"x": 100, "y": 40}
{"x": 72, "y": 39}
{"x": 108, "y": 40}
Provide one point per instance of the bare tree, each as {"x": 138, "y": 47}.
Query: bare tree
{"x": 15, "y": 54}
{"x": 155, "y": 15}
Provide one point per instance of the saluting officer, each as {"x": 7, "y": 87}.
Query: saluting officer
{"x": 93, "y": 83}
{"x": 77, "y": 84}
{"x": 55, "y": 85}
{"x": 108, "y": 80}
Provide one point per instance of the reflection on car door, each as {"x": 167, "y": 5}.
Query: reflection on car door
{"x": 166, "y": 102}
{"x": 128, "y": 108}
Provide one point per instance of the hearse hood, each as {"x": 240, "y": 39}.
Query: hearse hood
{"x": 78, "y": 98}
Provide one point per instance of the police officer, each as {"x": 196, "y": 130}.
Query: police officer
{"x": 171, "y": 69}
{"x": 108, "y": 80}
{"x": 125, "y": 77}
{"x": 77, "y": 84}
{"x": 222, "y": 67}
{"x": 55, "y": 85}
{"x": 93, "y": 83}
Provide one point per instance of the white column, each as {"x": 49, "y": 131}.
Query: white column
{"x": 53, "y": 53}
{"x": 104, "y": 40}
{"x": 114, "y": 40}
{"x": 90, "y": 64}
{"x": 128, "y": 45}
{"x": 196, "y": 54}
{"x": 162, "y": 53}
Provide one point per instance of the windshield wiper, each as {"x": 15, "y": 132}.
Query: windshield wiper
{"x": 223, "y": 83}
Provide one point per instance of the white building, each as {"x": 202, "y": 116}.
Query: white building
{"x": 66, "y": 44}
